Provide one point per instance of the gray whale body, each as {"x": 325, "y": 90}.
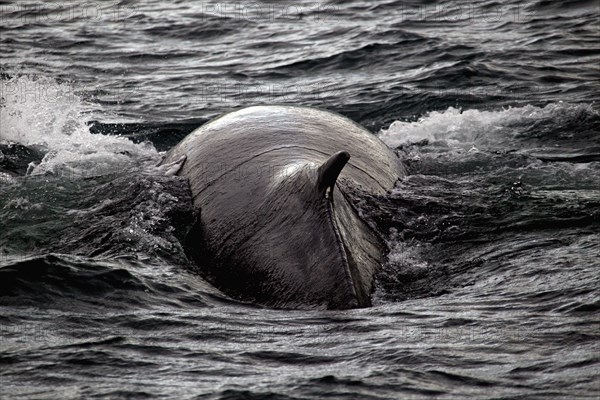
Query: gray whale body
{"x": 275, "y": 226}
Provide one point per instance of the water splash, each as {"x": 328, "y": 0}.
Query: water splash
{"x": 471, "y": 130}
{"x": 52, "y": 116}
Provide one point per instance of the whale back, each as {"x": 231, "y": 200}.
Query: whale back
{"x": 269, "y": 234}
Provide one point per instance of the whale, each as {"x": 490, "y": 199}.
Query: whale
{"x": 276, "y": 225}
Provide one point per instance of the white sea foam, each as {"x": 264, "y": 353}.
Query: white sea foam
{"x": 473, "y": 129}
{"x": 50, "y": 115}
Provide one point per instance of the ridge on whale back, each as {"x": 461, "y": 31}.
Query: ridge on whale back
{"x": 275, "y": 227}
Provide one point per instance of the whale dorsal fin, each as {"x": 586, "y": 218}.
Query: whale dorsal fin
{"x": 330, "y": 170}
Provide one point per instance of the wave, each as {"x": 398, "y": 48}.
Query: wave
{"x": 61, "y": 280}
{"x": 69, "y": 282}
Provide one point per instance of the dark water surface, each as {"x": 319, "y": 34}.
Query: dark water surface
{"x": 491, "y": 289}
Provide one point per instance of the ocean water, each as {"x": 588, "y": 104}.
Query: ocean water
{"x": 491, "y": 287}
